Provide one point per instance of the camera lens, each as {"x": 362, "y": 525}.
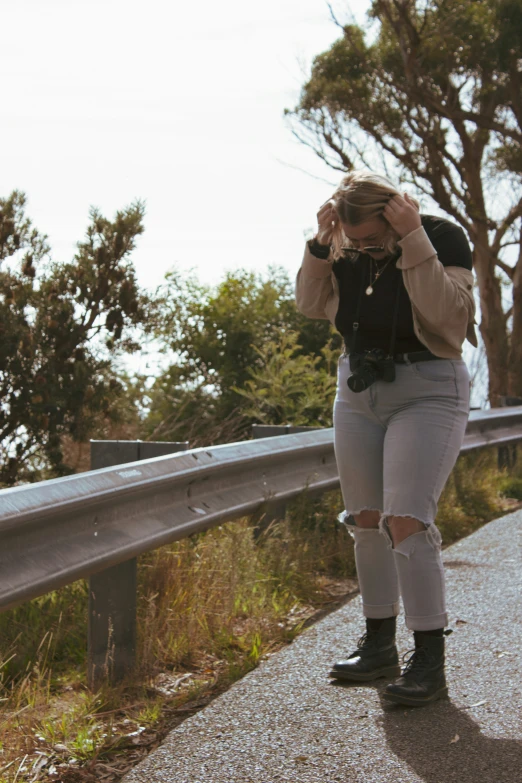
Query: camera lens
{"x": 362, "y": 378}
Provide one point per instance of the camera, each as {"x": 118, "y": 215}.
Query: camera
{"x": 368, "y": 367}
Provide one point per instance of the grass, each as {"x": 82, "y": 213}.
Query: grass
{"x": 210, "y": 608}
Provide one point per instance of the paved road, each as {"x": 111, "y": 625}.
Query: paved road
{"x": 286, "y": 722}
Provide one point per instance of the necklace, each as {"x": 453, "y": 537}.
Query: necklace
{"x": 369, "y": 290}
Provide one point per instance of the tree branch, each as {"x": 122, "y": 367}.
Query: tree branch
{"x": 509, "y": 270}
{"x": 304, "y": 171}
{"x": 320, "y": 154}
{"x": 514, "y": 213}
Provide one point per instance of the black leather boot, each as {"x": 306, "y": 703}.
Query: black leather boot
{"x": 376, "y": 656}
{"x": 423, "y": 679}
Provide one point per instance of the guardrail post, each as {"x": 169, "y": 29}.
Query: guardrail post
{"x": 275, "y": 510}
{"x": 507, "y": 455}
{"x": 112, "y": 592}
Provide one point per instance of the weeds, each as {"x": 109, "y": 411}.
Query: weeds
{"x": 210, "y": 608}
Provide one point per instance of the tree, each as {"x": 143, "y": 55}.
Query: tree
{"x": 434, "y": 88}
{"x": 62, "y": 327}
{"x": 291, "y": 387}
{"x": 216, "y": 334}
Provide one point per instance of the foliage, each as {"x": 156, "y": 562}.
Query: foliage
{"x": 511, "y": 487}
{"x": 216, "y": 336}
{"x": 61, "y": 617}
{"x": 290, "y": 387}
{"x": 432, "y": 72}
{"x": 62, "y": 327}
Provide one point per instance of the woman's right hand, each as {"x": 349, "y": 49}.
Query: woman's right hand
{"x": 327, "y": 220}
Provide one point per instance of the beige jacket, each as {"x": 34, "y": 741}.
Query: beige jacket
{"x": 441, "y": 297}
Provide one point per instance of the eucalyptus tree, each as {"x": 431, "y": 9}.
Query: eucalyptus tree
{"x": 434, "y": 88}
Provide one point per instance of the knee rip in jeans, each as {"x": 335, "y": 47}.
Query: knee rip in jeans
{"x": 348, "y": 520}
{"x": 407, "y": 545}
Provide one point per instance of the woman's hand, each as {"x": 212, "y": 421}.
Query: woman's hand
{"x": 327, "y": 219}
{"x": 402, "y": 214}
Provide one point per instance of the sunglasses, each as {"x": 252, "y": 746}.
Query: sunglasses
{"x": 367, "y": 249}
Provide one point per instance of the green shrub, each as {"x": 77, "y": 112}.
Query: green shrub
{"x": 511, "y": 487}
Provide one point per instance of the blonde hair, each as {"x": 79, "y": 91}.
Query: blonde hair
{"x": 361, "y": 196}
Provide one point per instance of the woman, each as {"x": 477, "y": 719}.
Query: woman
{"x": 398, "y": 286}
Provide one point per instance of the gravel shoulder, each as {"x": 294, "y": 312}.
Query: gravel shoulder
{"x": 285, "y": 721}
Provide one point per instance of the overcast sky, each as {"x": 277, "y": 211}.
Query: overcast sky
{"x": 177, "y": 104}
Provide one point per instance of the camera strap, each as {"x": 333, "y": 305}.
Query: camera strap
{"x": 356, "y": 323}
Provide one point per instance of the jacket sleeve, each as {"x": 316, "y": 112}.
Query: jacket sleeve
{"x": 442, "y": 296}
{"x": 313, "y": 286}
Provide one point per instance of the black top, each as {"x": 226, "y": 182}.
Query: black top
{"x": 376, "y": 316}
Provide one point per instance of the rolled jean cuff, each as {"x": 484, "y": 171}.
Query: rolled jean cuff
{"x": 426, "y": 623}
{"x": 379, "y": 612}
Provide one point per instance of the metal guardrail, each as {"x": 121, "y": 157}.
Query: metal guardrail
{"x": 60, "y": 530}
{"x": 57, "y": 531}
{"x": 494, "y": 427}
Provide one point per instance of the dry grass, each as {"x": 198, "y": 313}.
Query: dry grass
{"x": 209, "y": 609}
{"x": 475, "y": 493}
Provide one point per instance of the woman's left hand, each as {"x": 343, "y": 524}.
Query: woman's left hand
{"x": 402, "y": 214}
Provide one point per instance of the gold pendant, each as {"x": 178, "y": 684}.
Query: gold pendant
{"x": 369, "y": 290}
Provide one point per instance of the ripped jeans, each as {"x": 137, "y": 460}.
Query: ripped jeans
{"x": 395, "y": 446}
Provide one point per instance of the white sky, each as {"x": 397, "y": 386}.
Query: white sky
{"x": 177, "y": 104}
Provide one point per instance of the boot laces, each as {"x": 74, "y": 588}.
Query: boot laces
{"x": 419, "y": 660}
{"x": 367, "y": 640}
{"x": 364, "y": 641}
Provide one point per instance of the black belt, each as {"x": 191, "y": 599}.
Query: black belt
{"x": 414, "y": 356}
